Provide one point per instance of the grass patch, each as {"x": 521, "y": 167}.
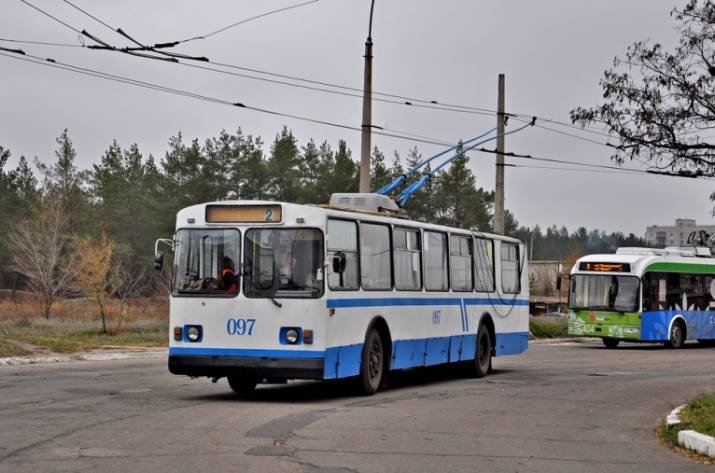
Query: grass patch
{"x": 548, "y": 327}
{"x": 63, "y": 341}
{"x": 698, "y": 415}
{"x": 74, "y": 326}
{"x": 8, "y": 349}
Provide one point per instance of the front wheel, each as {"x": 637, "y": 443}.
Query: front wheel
{"x": 677, "y": 335}
{"x": 483, "y": 358}
{"x": 242, "y": 385}
{"x": 372, "y": 363}
{"x": 611, "y": 342}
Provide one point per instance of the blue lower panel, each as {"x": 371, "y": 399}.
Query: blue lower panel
{"x": 437, "y": 351}
{"x": 655, "y": 325}
{"x": 408, "y": 353}
{"x": 512, "y": 343}
{"x": 469, "y": 347}
{"x": 342, "y": 362}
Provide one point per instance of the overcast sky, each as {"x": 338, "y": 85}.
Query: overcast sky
{"x": 553, "y": 53}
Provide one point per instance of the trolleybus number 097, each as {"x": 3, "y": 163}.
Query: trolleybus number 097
{"x": 240, "y": 326}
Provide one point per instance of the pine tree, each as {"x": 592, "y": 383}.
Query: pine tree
{"x": 284, "y": 168}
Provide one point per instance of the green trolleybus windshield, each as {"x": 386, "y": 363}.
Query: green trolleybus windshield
{"x": 283, "y": 263}
{"x": 604, "y": 292}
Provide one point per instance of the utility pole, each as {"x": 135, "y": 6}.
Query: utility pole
{"x": 365, "y": 144}
{"x": 499, "y": 187}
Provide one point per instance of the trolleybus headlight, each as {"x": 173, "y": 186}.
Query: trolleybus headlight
{"x": 193, "y": 333}
{"x": 291, "y": 336}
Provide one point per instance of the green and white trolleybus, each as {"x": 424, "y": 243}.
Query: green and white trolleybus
{"x": 268, "y": 291}
{"x": 644, "y": 295}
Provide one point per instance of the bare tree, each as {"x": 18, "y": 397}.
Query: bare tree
{"x": 39, "y": 253}
{"x": 660, "y": 104}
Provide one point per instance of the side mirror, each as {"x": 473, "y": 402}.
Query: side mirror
{"x": 339, "y": 262}
{"x": 159, "y": 260}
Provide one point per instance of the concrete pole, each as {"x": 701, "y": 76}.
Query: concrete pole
{"x": 499, "y": 187}
{"x": 365, "y": 142}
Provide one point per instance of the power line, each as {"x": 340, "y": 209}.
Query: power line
{"x": 51, "y": 16}
{"x": 148, "y": 85}
{"x": 43, "y": 43}
{"x": 220, "y": 30}
{"x": 681, "y": 174}
{"x": 88, "y": 14}
{"x": 564, "y": 133}
{"x": 404, "y": 100}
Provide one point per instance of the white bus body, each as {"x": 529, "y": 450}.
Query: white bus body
{"x": 247, "y": 335}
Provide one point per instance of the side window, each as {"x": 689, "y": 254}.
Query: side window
{"x": 343, "y": 246}
{"x": 460, "y": 262}
{"x": 408, "y": 265}
{"x": 484, "y": 265}
{"x": 435, "y": 252}
{"x": 376, "y": 271}
{"x": 509, "y": 267}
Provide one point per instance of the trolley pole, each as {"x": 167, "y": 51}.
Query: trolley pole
{"x": 365, "y": 143}
{"x": 499, "y": 186}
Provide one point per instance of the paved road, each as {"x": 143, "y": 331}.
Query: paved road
{"x": 558, "y": 408}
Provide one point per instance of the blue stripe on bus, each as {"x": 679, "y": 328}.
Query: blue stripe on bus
{"x": 344, "y": 361}
{"x": 418, "y": 301}
{"x": 247, "y": 352}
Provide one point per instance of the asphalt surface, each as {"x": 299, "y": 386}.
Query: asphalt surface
{"x": 557, "y": 408}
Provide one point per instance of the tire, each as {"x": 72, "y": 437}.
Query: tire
{"x": 242, "y": 385}
{"x": 372, "y": 363}
{"x": 677, "y": 335}
{"x": 483, "y": 355}
{"x": 610, "y": 342}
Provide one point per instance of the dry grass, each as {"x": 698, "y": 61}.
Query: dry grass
{"x": 74, "y": 325}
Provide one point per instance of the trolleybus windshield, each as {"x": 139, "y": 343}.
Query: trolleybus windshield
{"x": 283, "y": 263}
{"x": 205, "y": 262}
{"x": 604, "y": 292}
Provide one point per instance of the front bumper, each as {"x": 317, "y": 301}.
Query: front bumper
{"x": 258, "y": 367}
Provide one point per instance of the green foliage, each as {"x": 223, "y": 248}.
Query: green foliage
{"x": 546, "y": 327}
{"x": 134, "y": 199}
{"x": 558, "y": 244}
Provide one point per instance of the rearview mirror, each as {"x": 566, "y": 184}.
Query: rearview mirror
{"x": 159, "y": 260}
{"x": 339, "y": 262}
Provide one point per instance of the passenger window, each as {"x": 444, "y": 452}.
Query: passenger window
{"x": 460, "y": 263}
{"x": 408, "y": 265}
{"x": 484, "y": 265}
{"x": 435, "y": 252}
{"x": 343, "y": 249}
{"x": 510, "y": 267}
{"x": 376, "y": 271}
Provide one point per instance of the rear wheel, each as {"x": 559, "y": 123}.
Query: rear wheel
{"x": 677, "y": 335}
{"x": 372, "y": 363}
{"x": 483, "y": 358}
{"x": 611, "y": 342}
{"x": 242, "y": 385}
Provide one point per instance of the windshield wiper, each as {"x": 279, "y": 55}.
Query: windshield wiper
{"x": 275, "y": 302}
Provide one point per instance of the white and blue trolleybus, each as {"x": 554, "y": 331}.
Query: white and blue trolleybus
{"x": 269, "y": 291}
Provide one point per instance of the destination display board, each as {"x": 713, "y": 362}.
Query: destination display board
{"x": 243, "y": 214}
{"x": 606, "y": 267}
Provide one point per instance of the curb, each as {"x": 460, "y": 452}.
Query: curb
{"x": 690, "y": 439}
{"x": 560, "y": 341}
{"x": 86, "y": 356}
